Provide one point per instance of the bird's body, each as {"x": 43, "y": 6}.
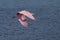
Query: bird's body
{"x": 22, "y": 17}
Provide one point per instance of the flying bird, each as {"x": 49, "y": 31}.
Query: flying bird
{"x": 21, "y": 15}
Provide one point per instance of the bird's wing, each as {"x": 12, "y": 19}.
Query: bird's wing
{"x": 28, "y": 14}
{"x": 24, "y": 23}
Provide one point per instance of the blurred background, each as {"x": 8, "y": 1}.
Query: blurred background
{"x": 45, "y": 27}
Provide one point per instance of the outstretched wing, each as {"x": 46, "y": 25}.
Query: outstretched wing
{"x": 28, "y": 14}
{"x": 24, "y": 23}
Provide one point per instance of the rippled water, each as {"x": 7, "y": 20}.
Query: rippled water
{"x": 45, "y": 27}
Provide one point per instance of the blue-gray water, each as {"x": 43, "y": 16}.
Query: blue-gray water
{"x": 45, "y": 27}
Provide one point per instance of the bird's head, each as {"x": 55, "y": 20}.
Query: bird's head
{"x": 19, "y": 14}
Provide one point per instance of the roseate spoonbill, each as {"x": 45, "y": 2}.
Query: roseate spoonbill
{"x": 22, "y": 17}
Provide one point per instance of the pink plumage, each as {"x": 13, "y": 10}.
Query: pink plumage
{"x": 22, "y": 17}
